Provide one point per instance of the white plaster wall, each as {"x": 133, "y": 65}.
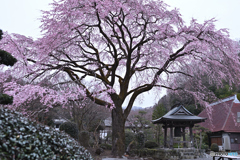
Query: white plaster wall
{"x": 226, "y": 142}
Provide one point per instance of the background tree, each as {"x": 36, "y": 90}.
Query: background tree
{"x": 116, "y": 50}
{"x": 159, "y": 110}
{"x": 139, "y": 121}
{"x": 87, "y": 115}
{"x": 199, "y": 134}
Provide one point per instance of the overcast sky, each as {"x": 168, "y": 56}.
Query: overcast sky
{"x": 21, "y": 16}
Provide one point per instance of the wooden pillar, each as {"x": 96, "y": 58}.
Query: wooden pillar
{"x": 191, "y": 135}
{"x": 184, "y": 138}
{"x": 165, "y": 136}
{"x": 171, "y": 137}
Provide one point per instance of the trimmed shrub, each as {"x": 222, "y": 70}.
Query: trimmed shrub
{"x": 151, "y": 144}
{"x": 214, "y": 147}
{"x": 21, "y": 138}
{"x": 70, "y": 128}
{"x": 129, "y": 137}
{"x": 140, "y": 138}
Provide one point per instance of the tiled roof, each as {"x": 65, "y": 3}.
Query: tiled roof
{"x": 222, "y": 115}
{"x": 179, "y": 113}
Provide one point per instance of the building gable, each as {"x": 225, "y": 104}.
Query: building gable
{"x": 222, "y": 115}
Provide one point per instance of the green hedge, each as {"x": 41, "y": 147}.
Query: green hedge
{"x": 151, "y": 144}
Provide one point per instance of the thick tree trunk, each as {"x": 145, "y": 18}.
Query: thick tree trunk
{"x": 118, "y": 134}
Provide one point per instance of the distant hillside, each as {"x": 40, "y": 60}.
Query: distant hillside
{"x": 135, "y": 111}
{"x": 134, "y": 108}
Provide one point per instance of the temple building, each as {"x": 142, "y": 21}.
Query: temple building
{"x": 223, "y": 120}
{"x": 178, "y": 119}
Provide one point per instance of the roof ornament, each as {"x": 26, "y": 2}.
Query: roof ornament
{"x": 236, "y": 99}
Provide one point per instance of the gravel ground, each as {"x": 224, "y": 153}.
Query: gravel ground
{"x": 208, "y": 157}
{"x": 135, "y": 159}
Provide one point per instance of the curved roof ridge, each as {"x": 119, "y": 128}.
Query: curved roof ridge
{"x": 225, "y": 100}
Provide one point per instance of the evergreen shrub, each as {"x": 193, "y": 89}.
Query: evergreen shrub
{"x": 151, "y": 144}
{"x": 140, "y": 138}
{"x": 70, "y": 128}
{"x": 129, "y": 137}
{"x": 21, "y": 138}
{"x": 214, "y": 147}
